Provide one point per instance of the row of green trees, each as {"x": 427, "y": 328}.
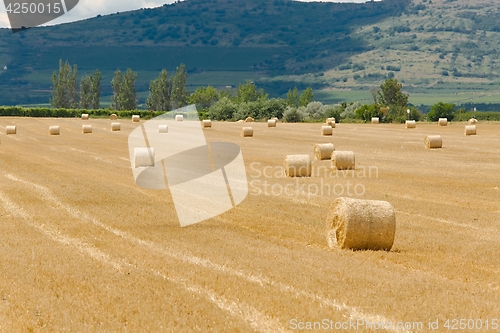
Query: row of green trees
{"x": 166, "y": 92}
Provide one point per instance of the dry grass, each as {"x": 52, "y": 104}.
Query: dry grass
{"x": 83, "y": 251}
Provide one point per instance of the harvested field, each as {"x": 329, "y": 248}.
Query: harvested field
{"x": 84, "y": 249}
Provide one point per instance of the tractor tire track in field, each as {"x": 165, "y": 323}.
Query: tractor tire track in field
{"x": 351, "y": 312}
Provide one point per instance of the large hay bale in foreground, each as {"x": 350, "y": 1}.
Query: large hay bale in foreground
{"x": 113, "y": 116}
{"x": 10, "y": 130}
{"x": 206, "y": 123}
{"x": 247, "y": 132}
{"x": 470, "y": 130}
{"x": 361, "y": 224}
{"x": 179, "y": 117}
{"x": 144, "y": 157}
{"x": 411, "y": 124}
{"x": 433, "y": 141}
{"x": 297, "y": 166}
{"x": 163, "y": 128}
{"x": 85, "y": 116}
{"x": 86, "y": 129}
{"x": 343, "y": 160}
{"x": 136, "y": 118}
{"x": 54, "y": 130}
{"x": 443, "y": 121}
{"x": 115, "y": 127}
{"x": 326, "y": 130}
{"x": 323, "y": 151}
{"x": 375, "y": 120}
{"x": 249, "y": 120}
{"x": 472, "y": 121}
{"x": 271, "y": 123}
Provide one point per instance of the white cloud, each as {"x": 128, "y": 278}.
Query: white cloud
{"x": 91, "y": 8}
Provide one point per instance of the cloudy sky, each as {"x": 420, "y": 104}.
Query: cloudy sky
{"x": 91, "y": 8}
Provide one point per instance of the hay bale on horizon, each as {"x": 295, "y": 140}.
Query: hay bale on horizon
{"x": 247, "y": 132}
{"x": 249, "y": 120}
{"x": 326, "y": 130}
{"x": 323, "y": 151}
{"x": 472, "y": 121}
{"x": 136, "y": 118}
{"x": 85, "y": 116}
{"x": 10, "y": 130}
{"x": 433, "y": 141}
{"x": 361, "y": 224}
{"x": 86, "y": 129}
{"x": 470, "y": 130}
{"x": 179, "y": 117}
{"x": 411, "y": 124}
{"x": 271, "y": 123}
{"x": 375, "y": 120}
{"x": 54, "y": 130}
{"x": 113, "y": 116}
{"x": 115, "y": 127}
{"x": 144, "y": 157}
{"x": 206, "y": 123}
{"x": 343, "y": 160}
{"x": 443, "y": 121}
{"x": 297, "y": 166}
{"x": 330, "y": 122}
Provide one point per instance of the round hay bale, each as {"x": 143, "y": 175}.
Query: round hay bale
{"x": 113, "y": 116}
{"x": 443, "y": 121}
{"x": 275, "y": 118}
{"x": 249, "y": 120}
{"x": 86, "y": 129}
{"x": 10, "y": 130}
{"x": 54, "y": 130}
{"x": 297, "y": 166}
{"x": 115, "y": 127}
{"x": 361, "y": 224}
{"x": 375, "y": 120}
{"x": 163, "y": 128}
{"x": 470, "y": 130}
{"x": 179, "y": 117}
{"x": 323, "y": 151}
{"x": 326, "y": 130}
{"x": 271, "y": 123}
{"x": 411, "y": 124}
{"x": 433, "y": 141}
{"x": 330, "y": 122}
{"x": 144, "y": 157}
{"x": 240, "y": 121}
{"x": 247, "y": 132}
{"x": 472, "y": 121}
{"x": 136, "y": 118}
{"x": 207, "y": 123}
{"x": 85, "y": 116}
{"x": 343, "y": 160}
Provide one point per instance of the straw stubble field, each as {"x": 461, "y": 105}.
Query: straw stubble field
{"x": 84, "y": 249}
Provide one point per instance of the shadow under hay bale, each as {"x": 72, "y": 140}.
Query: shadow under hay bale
{"x": 86, "y": 129}
{"x": 343, "y": 160}
{"x": 433, "y": 141}
{"x": 361, "y": 224}
{"x": 10, "y": 130}
{"x": 470, "y": 130}
{"x": 247, "y": 132}
{"x": 54, "y": 130}
{"x": 411, "y": 124}
{"x": 297, "y": 166}
{"x": 323, "y": 151}
{"x": 326, "y": 130}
